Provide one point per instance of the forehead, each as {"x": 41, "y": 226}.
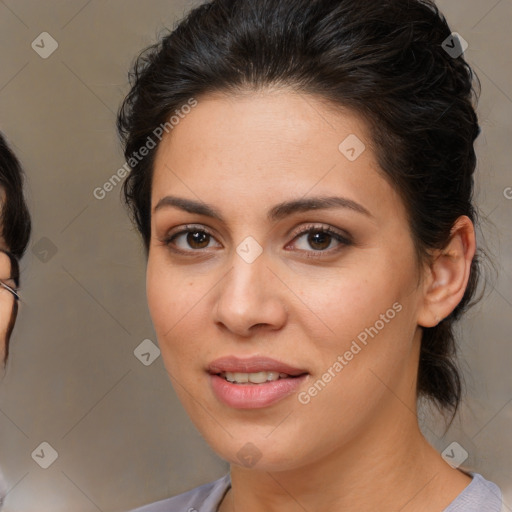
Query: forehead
{"x": 270, "y": 117}
{"x": 269, "y": 129}
{"x": 5, "y": 264}
{"x": 265, "y": 145}
{"x": 3, "y": 245}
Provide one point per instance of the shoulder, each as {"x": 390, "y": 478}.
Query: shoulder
{"x": 201, "y": 499}
{"x": 479, "y": 496}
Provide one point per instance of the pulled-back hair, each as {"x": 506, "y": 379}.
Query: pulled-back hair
{"x": 385, "y": 60}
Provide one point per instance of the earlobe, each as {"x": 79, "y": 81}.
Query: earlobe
{"x": 449, "y": 273}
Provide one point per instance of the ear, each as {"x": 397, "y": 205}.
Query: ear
{"x": 448, "y": 273}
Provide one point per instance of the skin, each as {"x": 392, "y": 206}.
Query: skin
{"x": 358, "y": 440}
{"x": 6, "y": 298}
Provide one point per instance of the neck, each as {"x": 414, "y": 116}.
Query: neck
{"x": 387, "y": 468}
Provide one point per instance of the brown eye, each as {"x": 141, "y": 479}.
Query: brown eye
{"x": 197, "y": 239}
{"x": 191, "y": 239}
{"x": 319, "y": 240}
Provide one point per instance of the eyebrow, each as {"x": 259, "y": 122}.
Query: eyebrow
{"x": 276, "y": 213}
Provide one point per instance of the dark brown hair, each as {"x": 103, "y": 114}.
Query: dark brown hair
{"x": 385, "y": 60}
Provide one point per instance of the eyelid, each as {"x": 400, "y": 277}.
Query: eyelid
{"x": 346, "y": 237}
{"x": 185, "y": 229}
{"x": 168, "y": 238}
{"x": 343, "y": 238}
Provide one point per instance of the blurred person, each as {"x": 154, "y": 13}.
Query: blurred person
{"x": 14, "y": 236}
{"x": 15, "y": 227}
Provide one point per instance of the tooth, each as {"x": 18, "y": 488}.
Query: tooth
{"x": 253, "y": 378}
{"x": 257, "y": 378}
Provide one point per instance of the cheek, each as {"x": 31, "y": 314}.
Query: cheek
{"x": 6, "y": 308}
{"x": 369, "y": 312}
{"x": 5, "y": 316}
{"x": 360, "y": 296}
{"x": 174, "y": 298}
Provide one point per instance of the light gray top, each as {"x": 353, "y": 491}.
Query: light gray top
{"x": 479, "y": 496}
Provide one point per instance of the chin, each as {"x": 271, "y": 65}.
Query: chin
{"x": 251, "y": 449}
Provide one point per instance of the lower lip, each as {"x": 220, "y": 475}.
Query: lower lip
{"x": 254, "y": 396}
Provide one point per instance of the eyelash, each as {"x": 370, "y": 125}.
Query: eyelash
{"x": 344, "y": 241}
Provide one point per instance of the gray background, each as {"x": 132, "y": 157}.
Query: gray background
{"x": 73, "y": 380}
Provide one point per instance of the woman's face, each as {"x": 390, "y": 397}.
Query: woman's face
{"x": 245, "y": 291}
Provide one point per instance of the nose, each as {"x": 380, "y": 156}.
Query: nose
{"x": 251, "y": 298}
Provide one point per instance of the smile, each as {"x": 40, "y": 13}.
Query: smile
{"x": 253, "y": 378}
{"x": 253, "y": 383}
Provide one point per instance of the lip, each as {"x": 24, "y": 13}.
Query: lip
{"x": 253, "y": 396}
{"x": 252, "y": 365}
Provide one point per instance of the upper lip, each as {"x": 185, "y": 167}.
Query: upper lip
{"x": 255, "y": 364}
